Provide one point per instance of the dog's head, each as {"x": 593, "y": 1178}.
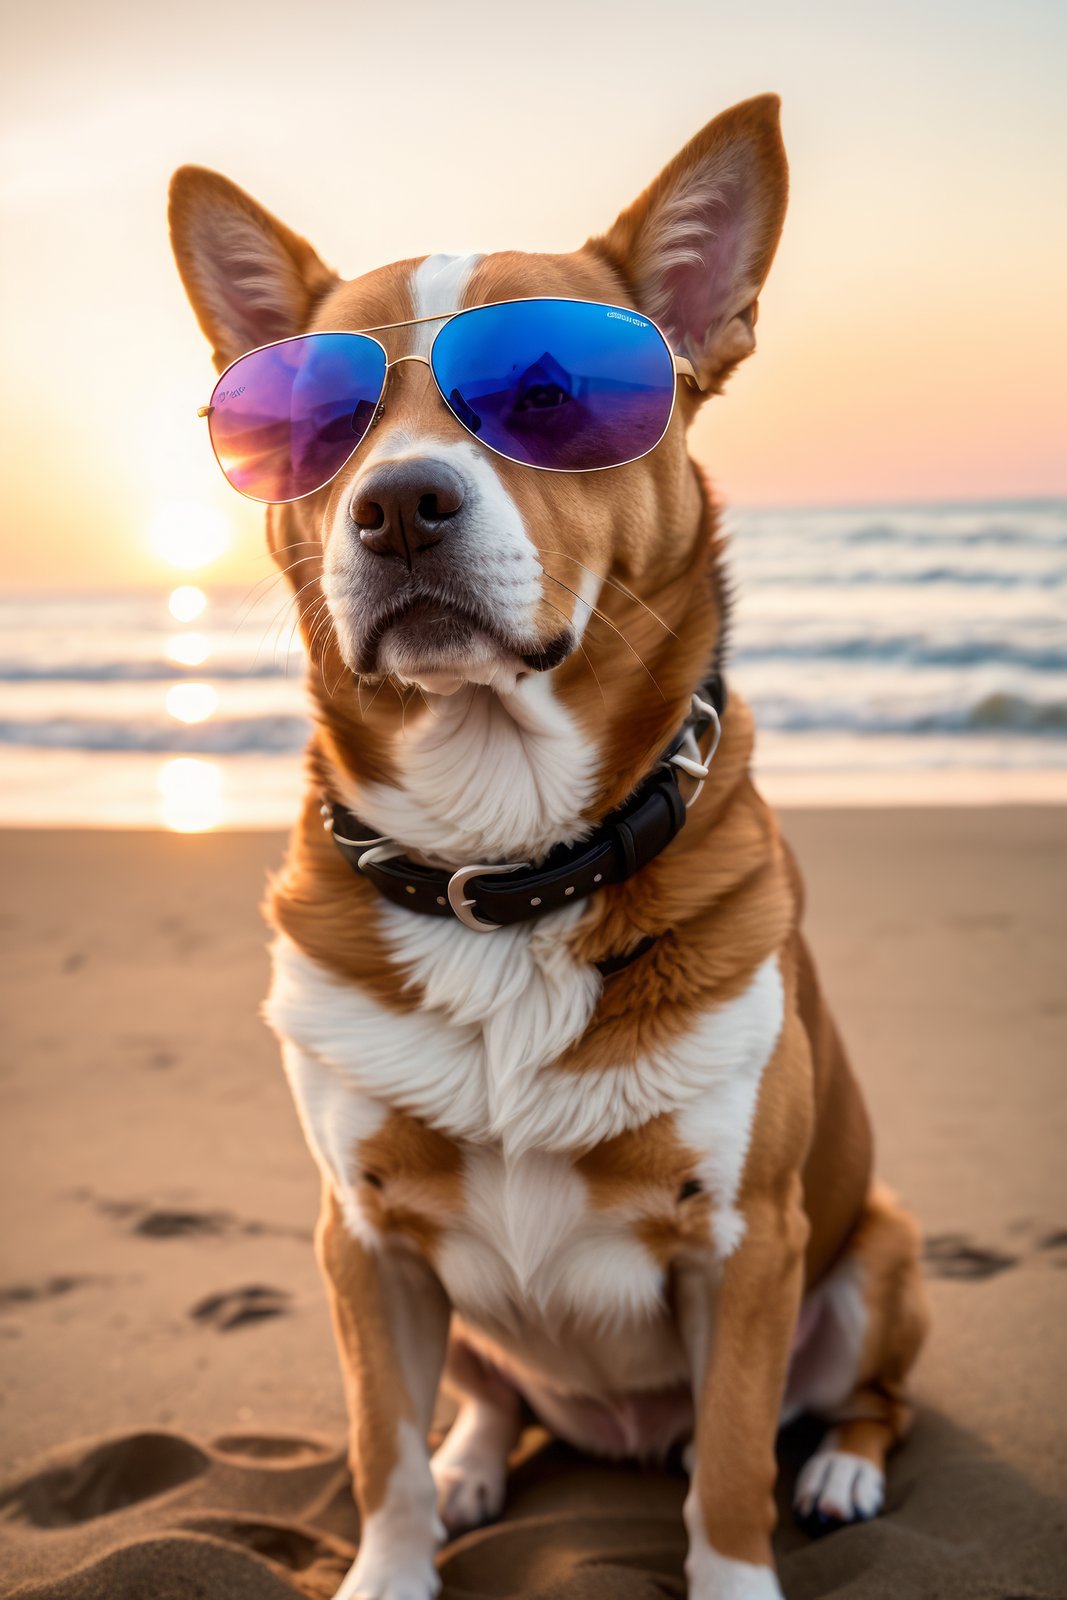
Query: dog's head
{"x": 428, "y": 559}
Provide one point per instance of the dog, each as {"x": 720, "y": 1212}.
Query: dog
{"x": 590, "y": 1144}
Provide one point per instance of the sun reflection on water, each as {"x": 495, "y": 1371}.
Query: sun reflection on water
{"x": 191, "y": 702}
{"x": 186, "y": 602}
{"x": 188, "y": 649}
{"x": 191, "y": 794}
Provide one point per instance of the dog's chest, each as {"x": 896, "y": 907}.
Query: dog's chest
{"x": 475, "y": 1054}
{"x": 452, "y": 1122}
{"x": 530, "y": 1245}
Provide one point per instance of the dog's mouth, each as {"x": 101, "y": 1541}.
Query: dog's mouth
{"x": 440, "y": 642}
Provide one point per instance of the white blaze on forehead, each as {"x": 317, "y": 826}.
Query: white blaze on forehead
{"x": 438, "y": 285}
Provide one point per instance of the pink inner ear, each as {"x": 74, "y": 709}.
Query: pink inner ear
{"x": 699, "y": 258}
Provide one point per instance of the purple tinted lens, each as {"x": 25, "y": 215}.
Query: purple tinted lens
{"x": 557, "y": 383}
{"x": 285, "y": 419}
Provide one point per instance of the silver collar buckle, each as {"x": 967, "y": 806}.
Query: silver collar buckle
{"x": 463, "y": 907}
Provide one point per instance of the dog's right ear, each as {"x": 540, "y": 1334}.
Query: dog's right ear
{"x": 696, "y": 246}
{"x": 250, "y": 278}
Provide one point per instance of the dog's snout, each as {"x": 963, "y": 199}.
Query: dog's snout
{"x": 402, "y": 507}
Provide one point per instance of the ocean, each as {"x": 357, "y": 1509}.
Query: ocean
{"x": 894, "y": 655}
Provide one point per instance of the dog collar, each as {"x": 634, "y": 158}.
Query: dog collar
{"x": 486, "y": 896}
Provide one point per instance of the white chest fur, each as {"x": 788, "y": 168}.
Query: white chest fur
{"x": 485, "y": 776}
{"x": 529, "y": 1248}
{"x": 474, "y": 1060}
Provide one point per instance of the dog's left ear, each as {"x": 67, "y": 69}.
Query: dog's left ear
{"x": 696, "y": 247}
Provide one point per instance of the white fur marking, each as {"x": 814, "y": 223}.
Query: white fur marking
{"x": 438, "y": 285}
{"x": 589, "y": 586}
{"x": 334, "y": 1117}
{"x": 496, "y": 564}
{"x": 470, "y": 1467}
{"x": 839, "y": 1484}
{"x": 529, "y": 1248}
{"x": 487, "y": 777}
{"x": 476, "y": 1081}
{"x": 717, "y": 1577}
{"x": 396, "y": 1547}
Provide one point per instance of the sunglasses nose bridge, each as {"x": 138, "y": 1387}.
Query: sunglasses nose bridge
{"x": 398, "y": 361}
{"x": 425, "y": 360}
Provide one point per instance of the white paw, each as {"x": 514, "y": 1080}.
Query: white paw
{"x": 377, "y": 1576}
{"x": 470, "y": 1484}
{"x": 835, "y": 1486}
{"x": 723, "y": 1579}
{"x": 713, "y": 1576}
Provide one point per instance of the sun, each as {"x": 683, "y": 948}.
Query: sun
{"x": 190, "y": 534}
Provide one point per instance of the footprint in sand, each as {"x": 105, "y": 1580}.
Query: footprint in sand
{"x": 163, "y": 1224}
{"x": 1055, "y": 1244}
{"x": 24, "y": 1294}
{"x": 272, "y": 1448}
{"x": 296, "y": 1548}
{"x": 952, "y": 1255}
{"x": 116, "y": 1474}
{"x": 171, "y": 1222}
{"x": 233, "y": 1308}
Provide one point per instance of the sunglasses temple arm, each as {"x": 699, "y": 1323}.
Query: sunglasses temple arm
{"x": 685, "y": 369}
{"x": 204, "y": 411}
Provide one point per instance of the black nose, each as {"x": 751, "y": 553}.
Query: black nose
{"x": 403, "y": 507}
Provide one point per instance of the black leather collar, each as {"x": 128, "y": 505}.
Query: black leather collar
{"x": 487, "y": 896}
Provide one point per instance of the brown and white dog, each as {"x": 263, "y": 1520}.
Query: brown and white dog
{"x": 641, "y": 1204}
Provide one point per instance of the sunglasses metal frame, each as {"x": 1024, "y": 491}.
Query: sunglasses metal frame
{"x": 683, "y": 368}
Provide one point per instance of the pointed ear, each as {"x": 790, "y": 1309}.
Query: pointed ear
{"x": 696, "y": 247}
{"x": 250, "y": 278}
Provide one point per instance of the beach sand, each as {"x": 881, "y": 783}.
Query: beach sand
{"x": 171, "y": 1417}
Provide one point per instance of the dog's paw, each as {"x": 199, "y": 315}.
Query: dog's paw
{"x": 470, "y": 1481}
{"x": 836, "y": 1488}
{"x": 384, "y": 1575}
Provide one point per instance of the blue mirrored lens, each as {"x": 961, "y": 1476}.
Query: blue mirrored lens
{"x": 285, "y": 419}
{"x": 557, "y": 383}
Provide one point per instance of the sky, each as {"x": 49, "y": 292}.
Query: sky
{"x": 913, "y": 333}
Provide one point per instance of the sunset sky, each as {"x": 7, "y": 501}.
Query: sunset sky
{"x": 913, "y": 336}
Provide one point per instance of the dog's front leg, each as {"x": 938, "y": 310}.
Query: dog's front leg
{"x": 737, "y": 1322}
{"x": 390, "y": 1317}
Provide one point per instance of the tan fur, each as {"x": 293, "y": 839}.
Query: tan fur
{"x": 410, "y": 1181}
{"x": 333, "y": 914}
{"x": 376, "y": 1395}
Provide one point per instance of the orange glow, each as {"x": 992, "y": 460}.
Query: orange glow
{"x": 912, "y": 334}
{"x": 188, "y": 535}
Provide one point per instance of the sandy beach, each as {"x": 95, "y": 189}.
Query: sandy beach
{"x": 158, "y": 1288}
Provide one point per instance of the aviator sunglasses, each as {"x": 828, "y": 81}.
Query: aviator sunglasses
{"x": 561, "y": 385}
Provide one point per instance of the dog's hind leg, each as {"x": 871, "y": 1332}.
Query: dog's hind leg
{"x": 869, "y": 1319}
{"x": 470, "y": 1467}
